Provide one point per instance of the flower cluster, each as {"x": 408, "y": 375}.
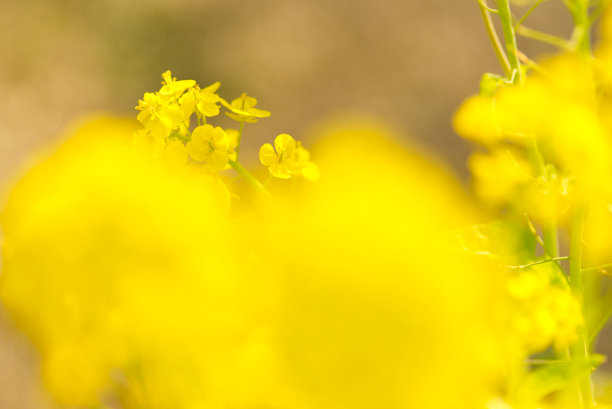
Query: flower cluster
{"x": 167, "y": 115}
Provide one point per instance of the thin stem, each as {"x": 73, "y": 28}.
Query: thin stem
{"x": 493, "y": 37}
{"x": 550, "y": 241}
{"x": 529, "y": 63}
{"x": 531, "y": 9}
{"x": 580, "y": 350}
{"x": 532, "y": 229}
{"x": 604, "y": 318}
{"x": 597, "y": 268}
{"x": 511, "y": 49}
{"x": 582, "y": 25}
{"x": 239, "y": 139}
{"x": 535, "y": 263}
{"x": 252, "y": 180}
{"x": 489, "y": 9}
{"x": 576, "y": 251}
{"x": 543, "y": 37}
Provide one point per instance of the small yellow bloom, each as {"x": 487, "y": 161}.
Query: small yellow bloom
{"x": 289, "y": 159}
{"x": 173, "y": 88}
{"x": 211, "y": 146}
{"x": 201, "y": 101}
{"x": 158, "y": 115}
{"x": 243, "y": 109}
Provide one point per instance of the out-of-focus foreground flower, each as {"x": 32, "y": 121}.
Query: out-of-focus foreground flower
{"x": 142, "y": 287}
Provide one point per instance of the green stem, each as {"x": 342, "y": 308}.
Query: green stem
{"x": 536, "y": 263}
{"x": 497, "y": 47}
{"x": 550, "y": 231}
{"x": 527, "y": 14}
{"x": 248, "y": 176}
{"x": 239, "y": 139}
{"x": 580, "y": 349}
{"x": 603, "y": 320}
{"x": 551, "y": 238}
{"x": 503, "y": 6}
{"x": 597, "y": 268}
{"x": 543, "y": 37}
{"x": 554, "y": 246}
{"x": 582, "y": 23}
{"x": 576, "y": 251}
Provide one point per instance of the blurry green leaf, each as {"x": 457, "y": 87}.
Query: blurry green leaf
{"x": 555, "y": 377}
{"x": 506, "y": 241}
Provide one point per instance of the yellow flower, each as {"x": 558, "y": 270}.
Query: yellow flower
{"x": 201, "y": 101}
{"x": 499, "y": 175}
{"x": 173, "y": 88}
{"x": 476, "y": 120}
{"x": 158, "y": 115}
{"x": 289, "y": 159}
{"x": 211, "y": 146}
{"x": 243, "y": 109}
{"x": 544, "y": 314}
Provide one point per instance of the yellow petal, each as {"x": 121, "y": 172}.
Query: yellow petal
{"x": 284, "y": 144}
{"x": 212, "y": 88}
{"x": 176, "y": 87}
{"x": 260, "y": 113}
{"x": 217, "y": 160}
{"x": 311, "y": 172}
{"x": 203, "y": 133}
{"x": 267, "y": 156}
{"x": 175, "y": 154}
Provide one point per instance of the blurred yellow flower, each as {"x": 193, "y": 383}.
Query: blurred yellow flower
{"x": 139, "y": 290}
{"x": 544, "y": 314}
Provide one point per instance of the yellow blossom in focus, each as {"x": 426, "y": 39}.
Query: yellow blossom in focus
{"x": 204, "y": 102}
{"x": 173, "y": 88}
{"x": 210, "y": 146}
{"x": 158, "y": 115}
{"x": 243, "y": 109}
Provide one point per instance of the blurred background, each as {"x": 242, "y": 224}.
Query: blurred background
{"x": 408, "y": 63}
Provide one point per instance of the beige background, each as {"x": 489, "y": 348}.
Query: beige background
{"x": 407, "y": 62}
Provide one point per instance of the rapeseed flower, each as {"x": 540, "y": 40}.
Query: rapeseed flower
{"x": 288, "y": 158}
{"x": 158, "y": 115}
{"x": 173, "y": 88}
{"x": 209, "y": 145}
{"x": 204, "y": 102}
{"x": 243, "y": 109}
